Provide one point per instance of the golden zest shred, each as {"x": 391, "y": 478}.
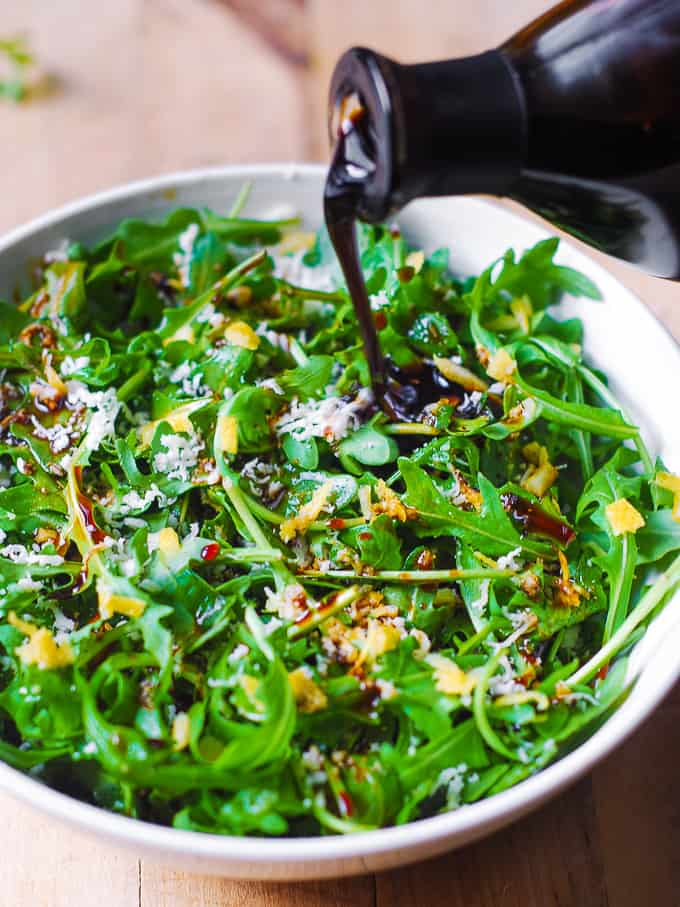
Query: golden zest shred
{"x": 623, "y": 517}
{"x": 449, "y": 678}
{"x": 307, "y": 514}
{"x": 241, "y": 334}
{"x": 390, "y": 503}
{"x": 308, "y": 695}
{"x": 501, "y": 366}
{"x": 41, "y": 648}
{"x": 671, "y": 483}
{"x": 540, "y": 473}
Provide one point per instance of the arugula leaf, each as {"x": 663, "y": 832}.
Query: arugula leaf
{"x": 490, "y": 529}
{"x": 620, "y": 560}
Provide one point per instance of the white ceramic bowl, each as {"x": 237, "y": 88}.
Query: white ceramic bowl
{"x": 622, "y": 337}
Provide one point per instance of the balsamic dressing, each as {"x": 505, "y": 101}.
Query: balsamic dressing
{"x": 350, "y": 165}
{"x": 534, "y": 518}
{"x": 402, "y": 394}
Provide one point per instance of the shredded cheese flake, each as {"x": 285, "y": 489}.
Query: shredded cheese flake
{"x": 671, "y": 483}
{"x": 449, "y": 678}
{"x": 111, "y": 603}
{"x": 623, "y": 517}
{"x": 390, "y": 503}
{"x": 501, "y": 366}
{"x": 41, "y": 648}
{"x": 241, "y": 334}
{"x": 307, "y": 514}
{"x": 309, "y": 696}
{"x": 332, "y": 418}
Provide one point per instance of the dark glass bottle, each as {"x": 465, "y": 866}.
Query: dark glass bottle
{"x": 577, "y": 117}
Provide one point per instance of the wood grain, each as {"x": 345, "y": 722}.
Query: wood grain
{"x": 551, "y": 858}
{"x": 45, "y": 865}
{"x": 165, "y": 888}
{"x": 158, "y": 85}
{"x": 637, "y": 801}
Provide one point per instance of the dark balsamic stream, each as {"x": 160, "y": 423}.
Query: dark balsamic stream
{"x": 350, "y": 166}
{"x": 402, "y": 396}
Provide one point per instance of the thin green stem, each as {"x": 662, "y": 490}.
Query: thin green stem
{"x": 134, "y": 382}
{"x": 297, "y": 352}
{"x": 416, "y": 577}
{"x": 275, "y": 519}
{"x": 411, "y": 428}
{"x": 667, "y": 583}
{"x": 327, "y": 607}
{"x": 479, "y": 637}
{"x": 319, "y": 295}
{"x": 479, "y": 708}
{"x": 241, "y": 199}
{"x": 256, "y": 555}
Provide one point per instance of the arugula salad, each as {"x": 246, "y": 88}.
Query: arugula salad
{"x": 236, "y": 597}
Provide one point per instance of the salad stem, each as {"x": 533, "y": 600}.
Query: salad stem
{"x": 667, "y": 583}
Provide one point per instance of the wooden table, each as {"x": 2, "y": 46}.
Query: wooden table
{"x": 145, "y": 86}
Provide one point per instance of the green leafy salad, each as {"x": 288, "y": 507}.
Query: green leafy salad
{"x": 236, "y": 597}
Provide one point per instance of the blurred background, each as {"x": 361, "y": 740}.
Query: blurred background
{"x": 139, "y": 87}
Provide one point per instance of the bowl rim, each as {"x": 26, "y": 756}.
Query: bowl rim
{"x": 469, "y": 822}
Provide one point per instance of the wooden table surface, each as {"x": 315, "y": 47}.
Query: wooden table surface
{"x": 146, "y": 86}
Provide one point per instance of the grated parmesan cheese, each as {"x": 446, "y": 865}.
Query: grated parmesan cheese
{"x": 505, "y": 683}
{"x": 182, "y": 259}
{"x": 191, "y": 385}
{"x": 60, "y": 437}
{"x": 238, "y": 654}
{"x": 19, "y": 554}
{"x": 134, "y": 501}
{"x": 292, "y": 269}
{"x": 509, "y": 561}
{"x": 332, "y": 418}
{"x": 71, "y": 365}
{"x": 59, "y": 252}
{"x": 179, "y": 458}
{"x": 387, "y": 689}
{"x": 289, "y": 604}
{"x": 27, "y": 584}
{"x": 453, "y": 779}
{"x": 104, "y": 407}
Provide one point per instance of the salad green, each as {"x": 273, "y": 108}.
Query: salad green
{"x": 235, "y": 597}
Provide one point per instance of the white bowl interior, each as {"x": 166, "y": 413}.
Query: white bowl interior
{"x": 622, "y": 337}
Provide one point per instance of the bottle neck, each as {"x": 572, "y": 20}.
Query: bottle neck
{"x": 445, "y": 128}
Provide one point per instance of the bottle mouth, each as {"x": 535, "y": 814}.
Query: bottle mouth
{"x": 361, "y": 133}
